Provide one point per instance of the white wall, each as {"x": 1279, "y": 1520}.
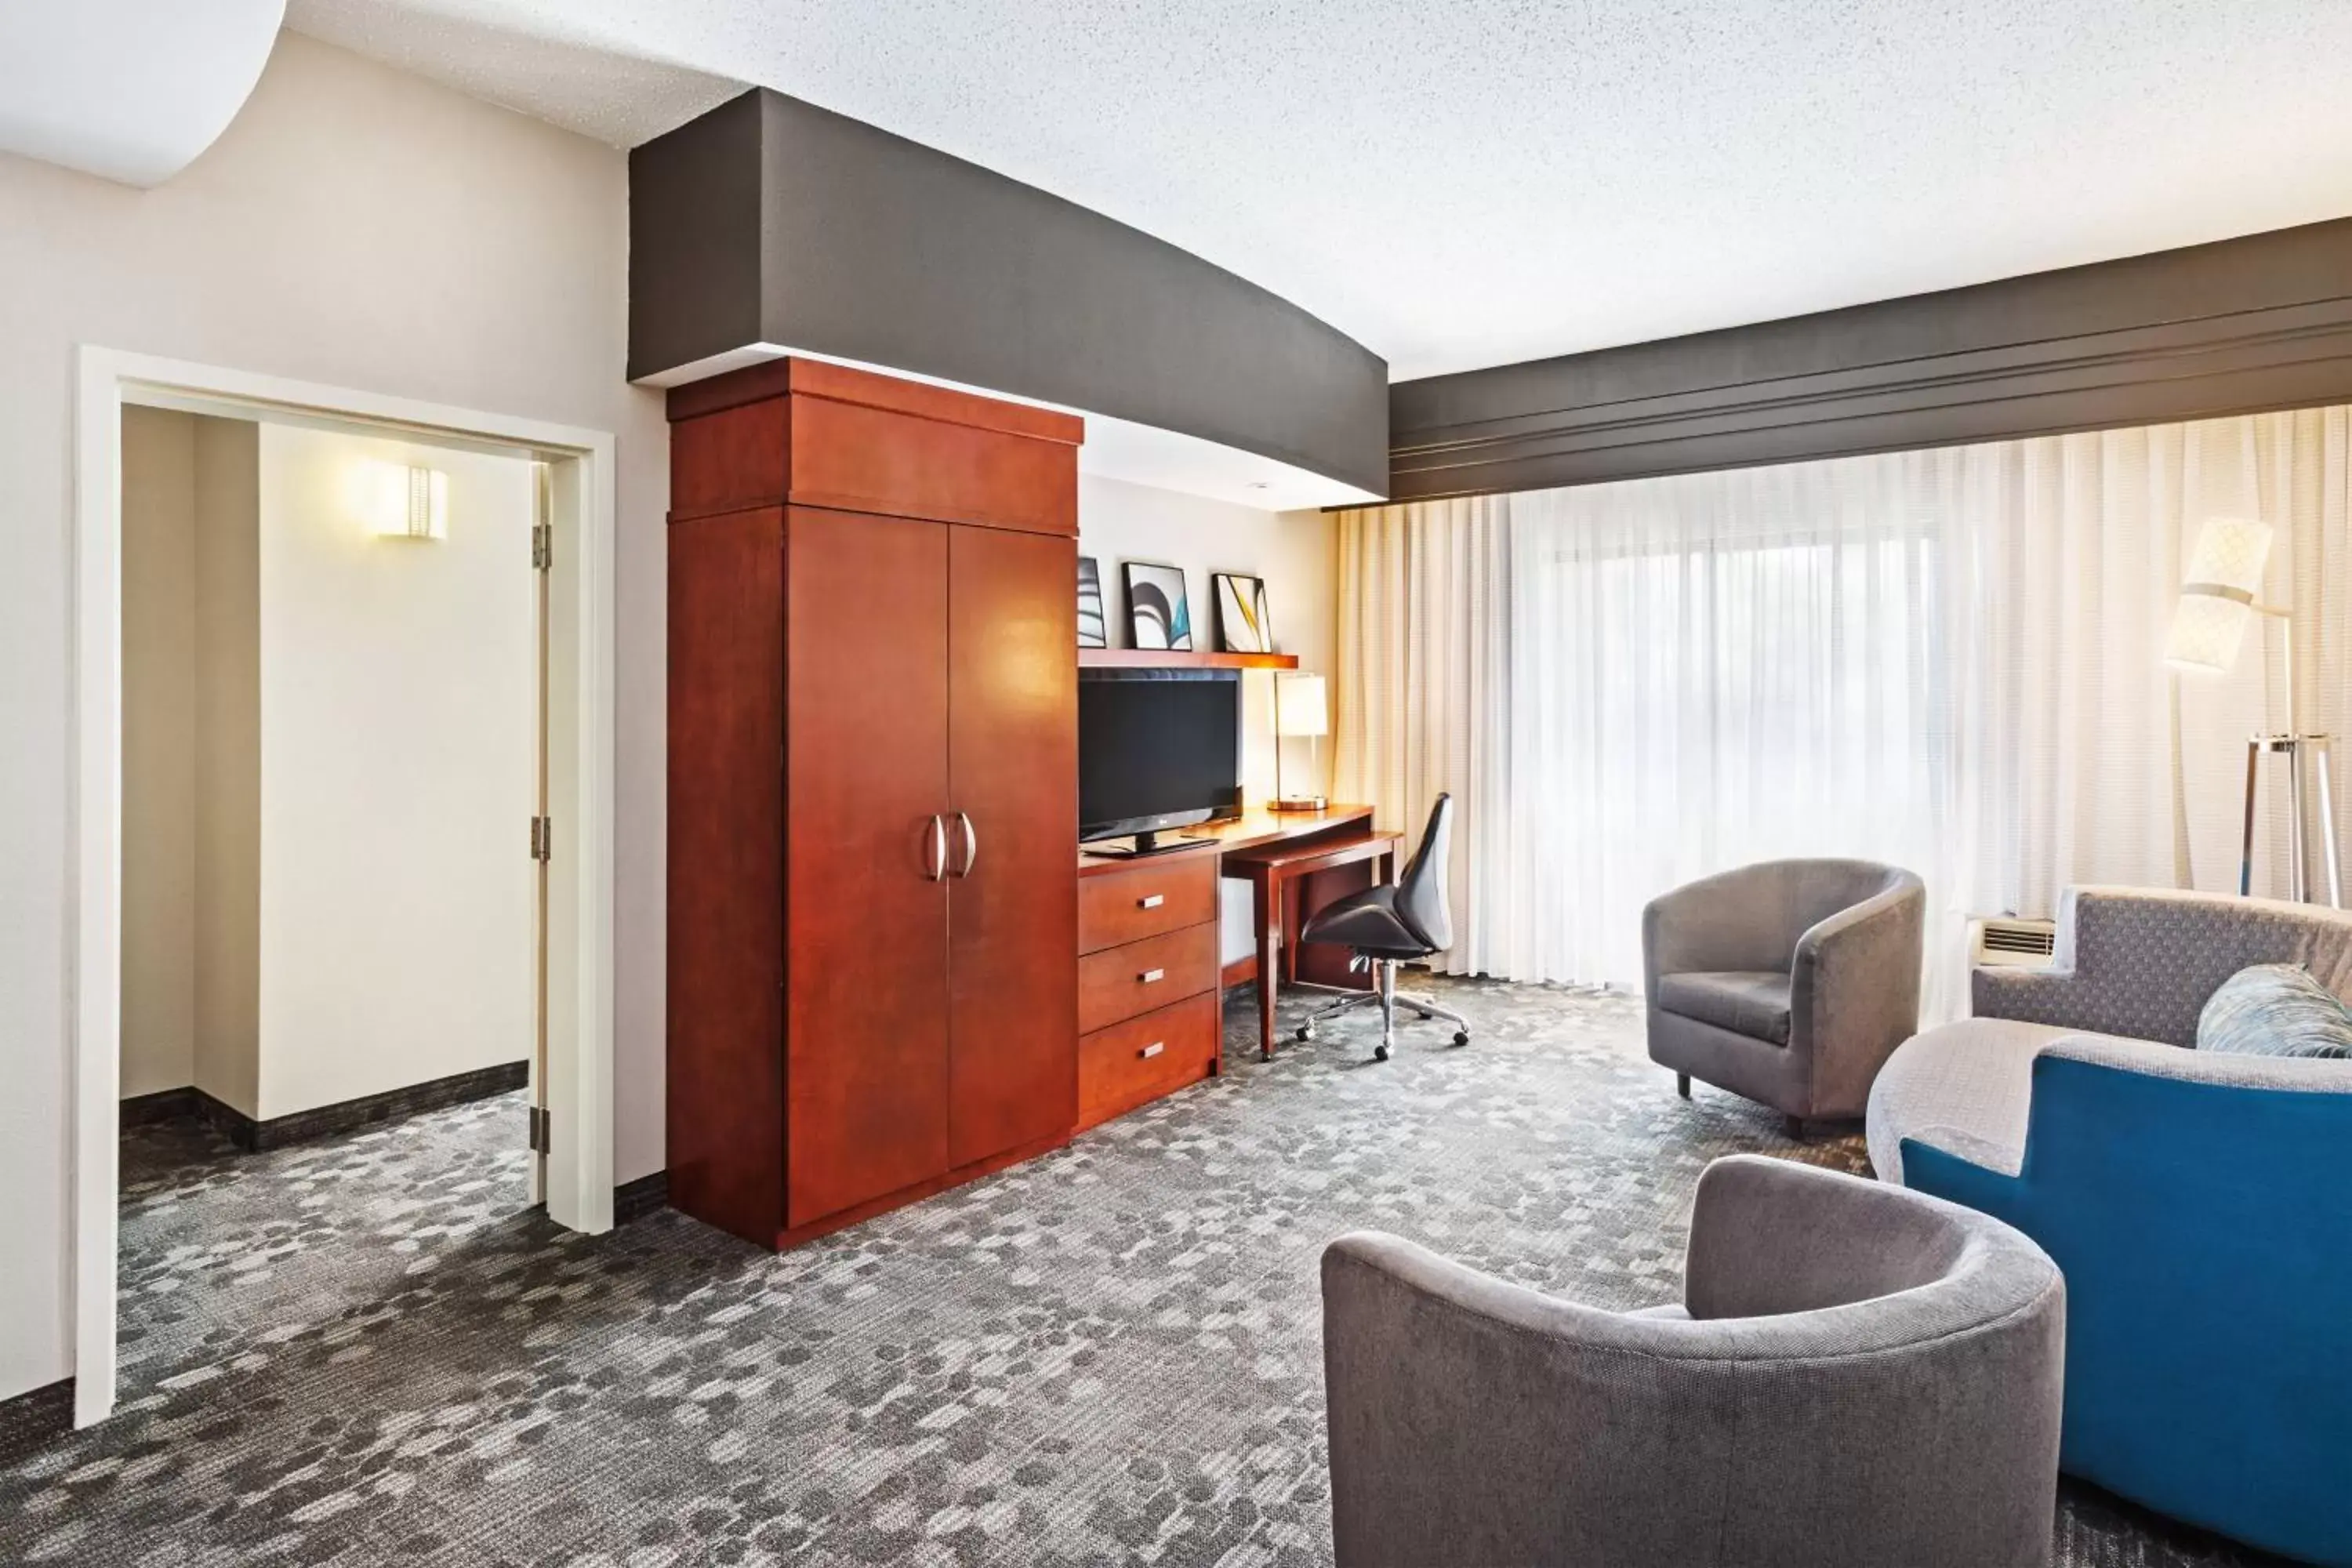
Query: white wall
{"x": 159, "y": 750}
{"x": 1294, "y": 552}
{"x": 399, "y": 761}
{"x": 356, "y": 226}
{"x": 191, "y": 759}
{"x": 227, "y": 657}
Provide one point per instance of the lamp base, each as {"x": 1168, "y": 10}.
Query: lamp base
{"x": 1298, "y": 802}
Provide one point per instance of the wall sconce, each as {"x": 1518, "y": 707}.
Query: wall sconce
{"x": 404, "y": 501}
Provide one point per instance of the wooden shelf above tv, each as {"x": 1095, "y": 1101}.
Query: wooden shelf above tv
{"x": 1176, "y": 658}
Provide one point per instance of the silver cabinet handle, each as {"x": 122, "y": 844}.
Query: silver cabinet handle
{"x": 1152, "y": 977}
{"x": 937, "y": 836}
{"x": 1151, "y": 901}
{"x": 970, "y": 844}
{"x": 1153, "y": 1049}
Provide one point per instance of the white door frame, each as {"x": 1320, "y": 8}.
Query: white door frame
{"x": 580, "y": 731}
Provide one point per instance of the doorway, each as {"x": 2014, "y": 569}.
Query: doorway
{"x": 379, "y": 457}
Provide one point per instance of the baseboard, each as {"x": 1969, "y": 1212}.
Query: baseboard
{"x": 635, "y": 1200}
{"x": 29, "y": 1419}
{"x": 1241, "y": 971}
{"x": 255, "y": 1136}
{"x": 164, "y": 1105}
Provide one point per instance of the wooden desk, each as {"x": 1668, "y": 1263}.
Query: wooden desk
{"x": 1276, "y": 852}
{"x": 1251, "y": 830}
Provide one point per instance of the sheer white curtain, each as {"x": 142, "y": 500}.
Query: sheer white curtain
{"x": 1947, "y": 660}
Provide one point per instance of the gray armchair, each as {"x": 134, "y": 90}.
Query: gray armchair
{"x": 1851, "y": 1381}
{"x": 1790, "y": 982}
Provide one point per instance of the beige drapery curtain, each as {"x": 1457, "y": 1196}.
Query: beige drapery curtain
{"x": 1950, "y": 659}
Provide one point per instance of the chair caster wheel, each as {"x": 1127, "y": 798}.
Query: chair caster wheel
{"x": 1379, "y": 1053}
{"x": 1303, "y": 1033}
{"x": 1461, "y": 1036}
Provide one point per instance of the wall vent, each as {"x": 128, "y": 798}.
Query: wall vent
{"x": 2004, "y": 939}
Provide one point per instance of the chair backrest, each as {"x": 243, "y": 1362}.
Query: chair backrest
{"x": 2154, "y": 956}
{"x": 1421, "y": 886}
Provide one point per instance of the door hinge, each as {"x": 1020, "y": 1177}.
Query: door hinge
{"x": 543, "y": 838}
{"x": 542, "y": 1131}
{"x": 542, "y": 546}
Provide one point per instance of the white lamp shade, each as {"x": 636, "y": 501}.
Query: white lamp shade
{"x": 404, "y": 501}
{"x": 2206, "y": 632}
{"x": 2231, "y": 553}
{"x": 1301, "y": 706}
{"x": 2225, "y": 571}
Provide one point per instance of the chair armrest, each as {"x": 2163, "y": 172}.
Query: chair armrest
{"x": 2227, "y": 1069}
{"x": 2061, "y": 998}
{"x": 1469, "y": 1418}
{"x": 2067, "y": 995}
{"x": 1855, "y": 991}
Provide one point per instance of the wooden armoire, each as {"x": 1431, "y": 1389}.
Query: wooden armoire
{"x": 872, "y": 777}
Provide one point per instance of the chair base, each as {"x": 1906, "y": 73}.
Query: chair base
{"x": 1389, "y": 999}
{"x": 1793, "y": 1126}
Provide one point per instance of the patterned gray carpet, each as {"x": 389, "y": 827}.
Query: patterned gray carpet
{"x": 366, "y": 1352}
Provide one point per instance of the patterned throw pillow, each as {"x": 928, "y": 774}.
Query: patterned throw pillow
{"x": 2275, "y": 1010}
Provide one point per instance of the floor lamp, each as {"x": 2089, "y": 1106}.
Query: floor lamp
{"x": 2208, "y": 625}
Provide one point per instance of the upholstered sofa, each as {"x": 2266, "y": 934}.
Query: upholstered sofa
{"x": 1788, "y": 981}
{"x": 2200, "y": 1203}
{"x": 1855, "y": 1377}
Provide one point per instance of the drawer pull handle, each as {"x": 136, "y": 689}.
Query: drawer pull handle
{"x": 1152, "y": 977}
{"x": 1153, "y": 1049}
{"x": 1151, "y": 901}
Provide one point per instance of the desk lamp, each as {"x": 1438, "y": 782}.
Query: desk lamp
{"x": 1299, "y": 709}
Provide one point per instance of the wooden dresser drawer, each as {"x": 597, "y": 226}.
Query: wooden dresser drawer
{"x": 1132, "y": 1063}
{"x": 1151, "y": 898}
{"x": 1121, "y": 982}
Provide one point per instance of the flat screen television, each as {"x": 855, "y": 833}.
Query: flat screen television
{"x": 1158, "y": 749}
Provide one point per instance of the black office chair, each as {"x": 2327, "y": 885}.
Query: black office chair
{"x": 1390, "y": 925}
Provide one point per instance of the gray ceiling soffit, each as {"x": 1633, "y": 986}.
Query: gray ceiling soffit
{"x": 2239, "y": 325}
{"x": 768, "y": 220}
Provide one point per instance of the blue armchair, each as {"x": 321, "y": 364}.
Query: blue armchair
{"x": 2199, "y": 1205}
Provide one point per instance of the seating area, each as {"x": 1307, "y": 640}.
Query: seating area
{"x": 2128, "y": 1259}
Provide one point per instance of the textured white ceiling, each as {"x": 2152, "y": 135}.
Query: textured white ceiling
{"x": 1486, "y": 180}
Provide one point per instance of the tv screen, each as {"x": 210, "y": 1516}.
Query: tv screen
{"x": 1156, "y": 750}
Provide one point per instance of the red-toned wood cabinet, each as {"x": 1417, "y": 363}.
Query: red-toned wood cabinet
{"x": 873, "y": 767}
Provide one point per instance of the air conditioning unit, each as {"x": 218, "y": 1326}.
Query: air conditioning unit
{"x": 2007, "y": 942}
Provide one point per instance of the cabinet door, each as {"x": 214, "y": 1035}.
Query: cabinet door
{"x": 866, "y": 635}
{"x": 1012, "y": 725}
